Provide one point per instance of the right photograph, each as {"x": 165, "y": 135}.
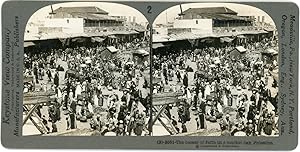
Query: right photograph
{"x": 215, "y": 71}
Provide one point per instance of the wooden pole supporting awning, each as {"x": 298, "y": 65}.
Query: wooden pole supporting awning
{"x": 30, "y": 104}
{"x": 160, "y": 102}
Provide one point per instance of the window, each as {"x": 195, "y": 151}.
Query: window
{"x": 196, "y": 21}
{"x": 68, "y": 21}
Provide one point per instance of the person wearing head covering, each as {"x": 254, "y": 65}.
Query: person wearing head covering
{"x": 226, "y": 125}
{"x": 250, "y": 128}
{"x": 131, "y": 125}
{"x": 188, "y": 95}
{"x": 259, "y": 122}
{"x": 200, "y": 119}
{"x": 238, "y": 128}
{"x": 266, "y": 93}
{"x": 207, "y": 90}
{"x": 122, "y": 111}
{"x": 183, "y": 128}
{"x": 120, "y": 131}
{"x": 56, "y": 79}
{"x": 165, "y": 73}
{"x": 178, "y": 75}
{"x": 95, "y": 122}
{"x": 53, "y": 116}
{"x": 78, "y": 90}
{"x": 65, "y": 100}
{"x": 268, "y": 124}
{"x": 185, "y": 79}
{"x": 181, "y": 114}
{"x": 253, "y": 96}
{"x": 35, "y": 73}
{"x": 139, "y": 124}
{"x": 72, "y": 114}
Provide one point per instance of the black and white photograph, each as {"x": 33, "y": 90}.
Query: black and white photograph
{"x": 86, "y": 71}
{"x": 215, "y": 71}
{"x": 150, "y": 75}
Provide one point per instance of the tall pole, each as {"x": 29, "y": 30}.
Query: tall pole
{"x": 181, "y": 12}
{"x": 180, "y": 9}
{"x": 52, "y": 12}
{"x": 150, "y": 123}
{"x": 166, "y": 16}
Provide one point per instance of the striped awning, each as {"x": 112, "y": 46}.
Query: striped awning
{"x": 28, "y": 44}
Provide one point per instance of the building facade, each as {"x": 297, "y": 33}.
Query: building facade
{"x": 220, "y": 16}
{"x": 64, "y": 25}
{"x": 196, "y": 26}
{"x": 92, "y": 16}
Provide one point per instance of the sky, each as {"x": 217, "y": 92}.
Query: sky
{"x": 242, "y": 10}
{"x": 112, "y": 8}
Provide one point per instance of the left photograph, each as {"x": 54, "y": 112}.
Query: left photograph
{"x": 86, "y": 71}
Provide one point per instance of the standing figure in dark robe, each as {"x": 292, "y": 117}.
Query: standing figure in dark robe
{"x": 181, "y": 114}
{"x": 178, "y": 76}
{"x": 56, "y": 79}
{"x": 251, "y": 112}
{"x": 226, "y": 125}
{"x": 65, "y": 100}
{"x": 165, "y": 73}
{"x": 268, "y": 125}
{"x": 185, "y": 80}
{"x": 49, "y": 75}
{"x": 250, "y": 128}
{"x": 122, "y": 112}
{"x": 72, "y": 114}
{"x": 131, "y": 125}
{"x": 35, "y": 73}
{"x": 120, "y": 128}
{"x": 183, "y": 128}
{"x": 200, "y": 120}
{"x": 139, "y": 124}
{"x": 53, "y": 115}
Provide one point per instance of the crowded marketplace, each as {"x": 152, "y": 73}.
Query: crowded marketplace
{"x": 94, "y": 83}
{"x": 222, "y": 83}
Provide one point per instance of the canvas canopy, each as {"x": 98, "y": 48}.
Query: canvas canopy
{"x": 271, "y": 51}
{"x": 226, "y": 39}
{"x": 28, "y": 44}
{"x": 112, "y": 36}
{"x": 157, "y": 45}
{"x": 112, "y": 49}
{"x": 241, "y": 49}
{"x": 141, "y": 52}
{"x": 241, "y": 36}
{"x": 97, "y": 39}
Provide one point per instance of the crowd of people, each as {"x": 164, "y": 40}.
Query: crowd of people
{"x": 238, "y": 94}
{"x": 107, "y": 95}
{"x": 111, "y": 96}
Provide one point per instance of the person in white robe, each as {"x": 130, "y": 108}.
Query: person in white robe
{"x": 207, "y": 91}
{"x": 78, "y": 90}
